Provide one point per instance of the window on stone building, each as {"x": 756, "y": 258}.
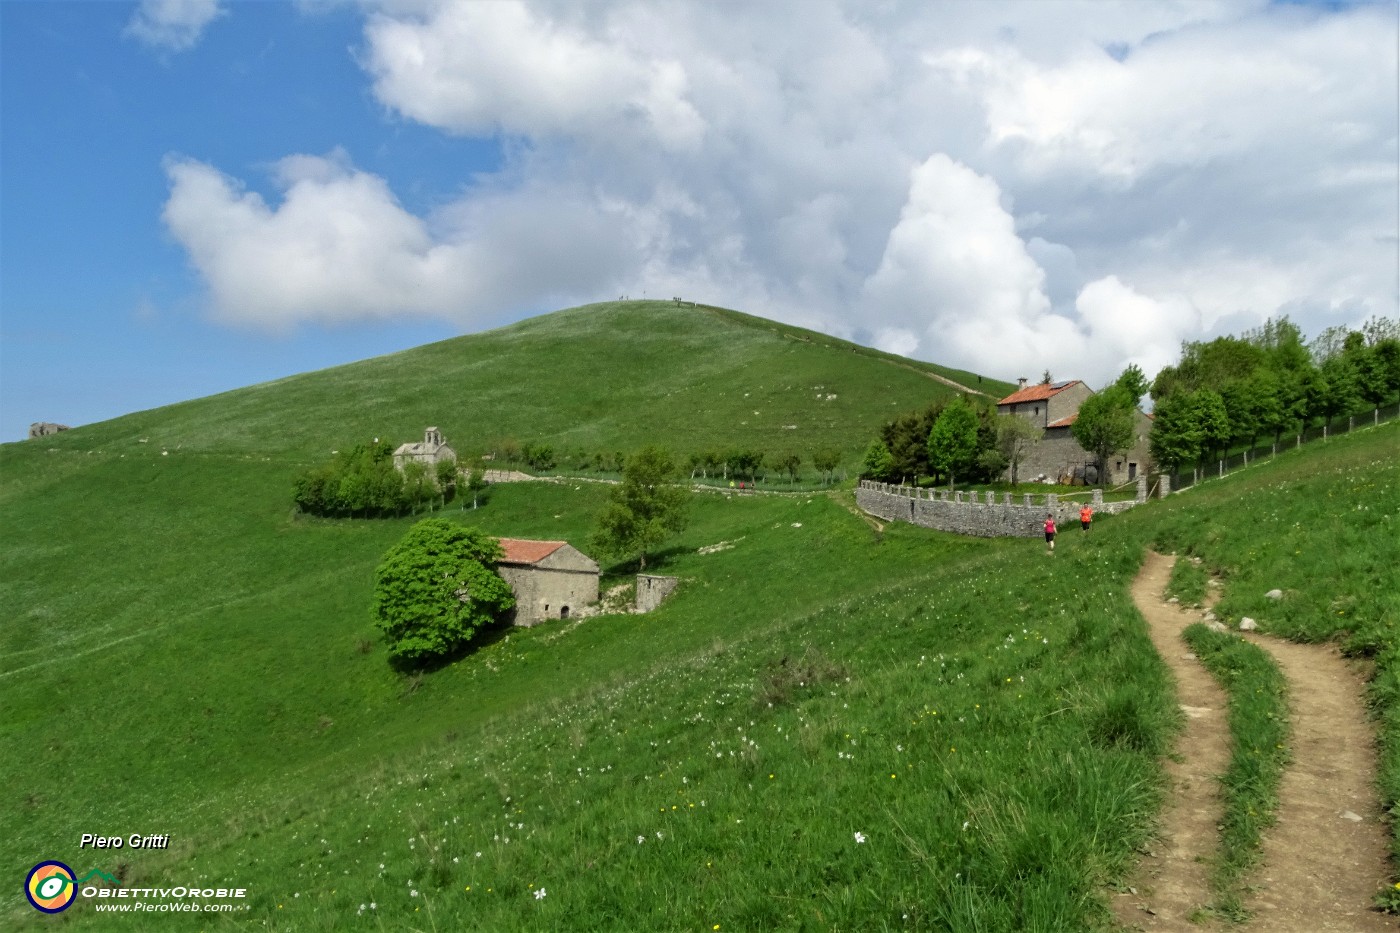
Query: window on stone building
{"x": 563, "y": 612}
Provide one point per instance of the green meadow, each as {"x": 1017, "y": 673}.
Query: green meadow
{"x": 826, "y": 727}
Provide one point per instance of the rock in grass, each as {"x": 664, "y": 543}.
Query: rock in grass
{"x": 1248, "y": 625}
{"x": 1274, "y": 594}
{"x": 1217, "y": 627}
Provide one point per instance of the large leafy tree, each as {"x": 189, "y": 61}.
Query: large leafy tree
{"x": 952, "y": 442}
{"x": 1176, "y": 437}
{"x": 646, "y": 508}
{"x": 1212, "y": 421}
{"x": 1105, "y": 424}
{"x": 435, "y": 589}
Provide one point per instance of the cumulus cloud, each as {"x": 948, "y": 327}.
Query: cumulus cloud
{"x": 173, "y": 25}
{"x": 1007, "y": 187}
{"x": 340, "y": 247}
{"x": 488, "y": 67}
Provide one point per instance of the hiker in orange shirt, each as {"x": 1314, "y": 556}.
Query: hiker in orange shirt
{"x": 1086, "y": 515}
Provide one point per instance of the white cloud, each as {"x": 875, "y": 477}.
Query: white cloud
{"x": 1006, "y": 186}
{"x": 955, "y": 254}
{"x": 176, "y": 25}
{"x": 487, "y": 67}
{"x": 339, "y": 247}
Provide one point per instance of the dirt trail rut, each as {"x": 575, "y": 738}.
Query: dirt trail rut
{"x": 1326, "y": 856}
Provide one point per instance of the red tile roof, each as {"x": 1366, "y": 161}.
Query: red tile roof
{"x": 519, "y": 551}
{"x": 1037, "y": 393}
{"x": 1064, "y": 422}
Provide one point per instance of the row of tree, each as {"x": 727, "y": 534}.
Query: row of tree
{"x": 729, "y": 463}
{"x": 1234, "y": 391}
{"x": 755, "y": 465}
{"x": 955, "y": 440}
{"x": 362, "y": 482}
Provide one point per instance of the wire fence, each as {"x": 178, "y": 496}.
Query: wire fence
{"x": 1221, "y": 466}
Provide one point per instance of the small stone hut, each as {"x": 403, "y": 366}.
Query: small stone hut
{"x": 550, "y": 579}
{"x": 428, "y": 453}
{"x": 45, "y": 428}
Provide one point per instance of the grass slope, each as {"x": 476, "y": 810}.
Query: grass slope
{"x": 183, "y": 655}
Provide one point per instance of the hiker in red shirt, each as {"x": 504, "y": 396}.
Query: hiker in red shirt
{"x": 1050, "y": 532}
{"x": 1086, "y": 515}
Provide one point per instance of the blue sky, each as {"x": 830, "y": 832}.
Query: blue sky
{"x": 197, "y": 196}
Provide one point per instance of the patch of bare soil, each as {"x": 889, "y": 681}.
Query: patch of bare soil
{"x": 1326, "y": 856}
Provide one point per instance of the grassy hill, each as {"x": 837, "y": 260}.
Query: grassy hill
{"x": 601, "y": 377}
{"x": 826, "y": 727}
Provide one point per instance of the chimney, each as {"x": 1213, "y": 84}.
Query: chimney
{"x": 1022, "y": 381}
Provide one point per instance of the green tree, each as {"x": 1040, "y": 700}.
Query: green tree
{"x": 538, "y": 457}
{"x": 1176, "y": 437}
{"x": 1105, "y": 424}
{"x": 826, "y": 462}
{"x": 877, "y": 463}
{"x": 417, "y": 483}
{"x": 1212, "y": 421}
{"x": 644, "y": 509}
{"x": 788, "y": 463}
{"x": 476, "y": 484}
{"x": 1341, "y": 393}
{"x": 446, "y": 477}
{"x": 1132, "y": 381}
{"x": 1016, "y": 437}
{"x": 906, "y": 438}
{"x": 743, "y": 463}
{"x": 952, "y": 442}
{"x": 435, "y": 589}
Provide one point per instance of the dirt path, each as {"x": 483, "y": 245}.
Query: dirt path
{"x": 1326, "y": 856}
{"x": 1172, "y": 881}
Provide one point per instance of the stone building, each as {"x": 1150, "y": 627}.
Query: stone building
{"x": 550, "y": 579}
{"x": 428, "y": 453}
{"x": 45, "y": 428}
{"x": 1054, "y": 407}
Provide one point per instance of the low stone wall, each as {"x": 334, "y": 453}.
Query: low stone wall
{"x": 651, "y": 590}
{"x": 981, "y": 515}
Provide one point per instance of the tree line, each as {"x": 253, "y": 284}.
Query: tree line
{"x": 362, "y": 482}
{"x": 957, "y": 440}
{"x": 1234, "y": 391}
{"x": 748, "y": 464}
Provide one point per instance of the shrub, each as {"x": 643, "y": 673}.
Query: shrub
{"x": 435, "y": 588}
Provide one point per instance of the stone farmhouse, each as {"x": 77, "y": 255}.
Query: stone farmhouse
{"x": 1054, "y": 407}
{"x": 550, "y": 579}
{"x": 428, "y": 453}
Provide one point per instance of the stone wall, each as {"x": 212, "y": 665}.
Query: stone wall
{"x": 982, "y": 515}
{"x": 651, "y": 590}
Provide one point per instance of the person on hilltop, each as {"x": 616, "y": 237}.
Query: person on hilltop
{"x": 1050, "y": 532}
{"x": 1086, "y": 515}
